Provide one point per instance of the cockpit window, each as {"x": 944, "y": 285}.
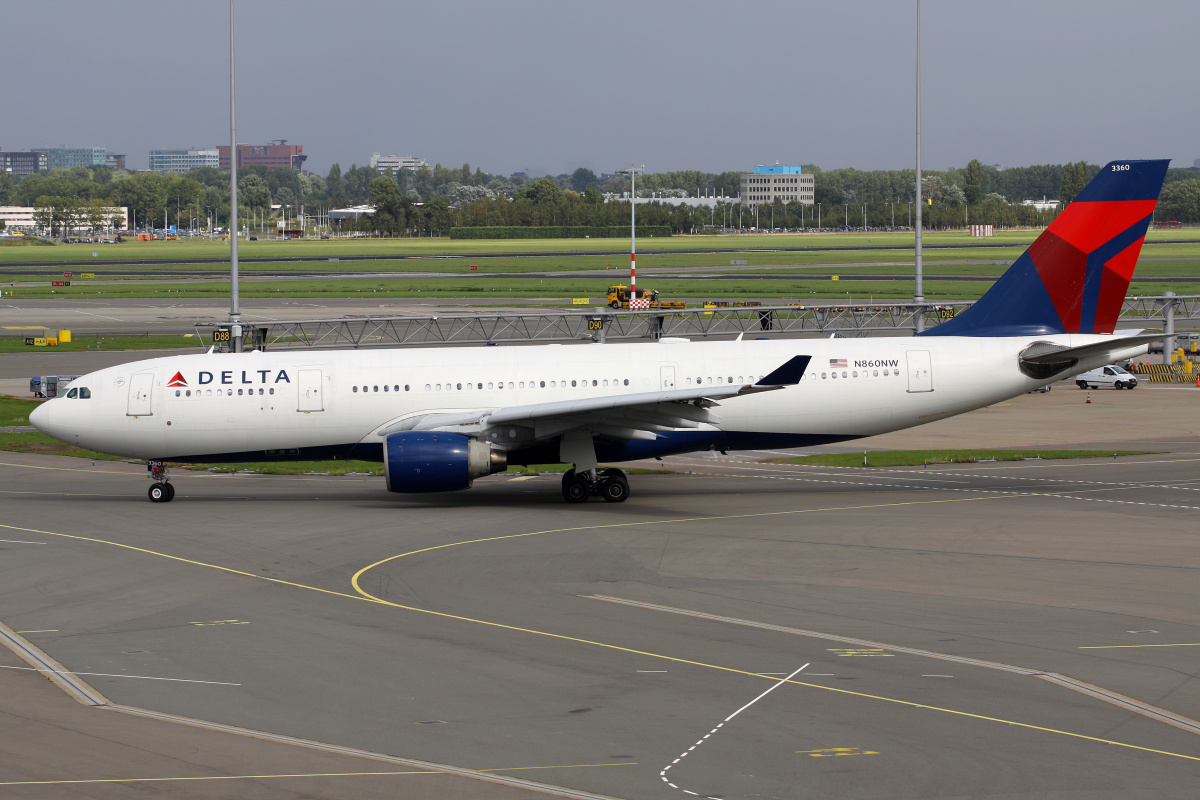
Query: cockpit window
{"x": 84, "y": 393}
{"x": 73, "y": 393}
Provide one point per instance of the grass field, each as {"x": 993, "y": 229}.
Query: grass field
{"x": 203, "y": 248}
{"x": 499, "y": 274}
{"x": 15, "y": 410}
{"x": 79, "y": 344}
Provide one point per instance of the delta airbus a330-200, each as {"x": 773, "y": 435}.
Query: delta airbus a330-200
{"x": 439, "y": 418}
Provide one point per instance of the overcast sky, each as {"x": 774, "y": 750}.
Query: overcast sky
{"x": 673, "y": 84}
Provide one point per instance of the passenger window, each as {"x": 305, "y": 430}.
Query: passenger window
{"x": 627, "y": 381}
{"x": 355, "y": 388}
{"x": 572, "y": 384}
{"x": 377, "y": 388}
{"x": 386, "y": 387}
{"x": 72, "y": 393}
{"x": 458, "y": 386}
{"x": 75, "y": 393}
{"x": 272, "y": 391}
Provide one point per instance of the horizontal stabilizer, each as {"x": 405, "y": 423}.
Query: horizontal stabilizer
{"x": 1042, "y": 355}
{"x": 1044, "y": 360}
{"x": 787, "y": 375}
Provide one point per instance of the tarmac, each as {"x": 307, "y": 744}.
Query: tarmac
{"x": 740, "y": 628}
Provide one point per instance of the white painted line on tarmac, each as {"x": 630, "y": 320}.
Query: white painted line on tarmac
{"x": 14, "y": 541}
{"x": 110, "y": 675}
{"x": 663, "y": 773}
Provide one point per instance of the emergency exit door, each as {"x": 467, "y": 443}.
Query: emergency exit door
{"x": 308, "y": 382}
{"x": 141, "y": 387}
{"x": 920, "y": 371}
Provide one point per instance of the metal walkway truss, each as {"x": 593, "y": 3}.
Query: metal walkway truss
{"x": 603, "y": 324}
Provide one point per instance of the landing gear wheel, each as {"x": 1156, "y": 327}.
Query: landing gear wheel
{"x": 614, "y": 488}
{"x": 575, "y": 489}
{"x": 1081, "y": 384}
{"x": 170, "y": 491}
{"x": 161, "y": 492}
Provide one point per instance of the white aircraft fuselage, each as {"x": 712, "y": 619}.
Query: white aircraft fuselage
{"x": 291, "y": 405}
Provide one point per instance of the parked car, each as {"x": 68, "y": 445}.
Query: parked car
{"x": 1112, "y": 375}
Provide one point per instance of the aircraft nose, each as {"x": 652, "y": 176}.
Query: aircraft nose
{"x": 40, "y": 417}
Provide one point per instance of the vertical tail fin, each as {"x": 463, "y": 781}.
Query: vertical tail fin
{"x": 1073, "y": 278}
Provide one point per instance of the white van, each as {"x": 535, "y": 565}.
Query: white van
{"x": 1112, "y": 375}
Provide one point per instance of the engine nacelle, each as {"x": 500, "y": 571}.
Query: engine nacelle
{"x": 425, "y": 461}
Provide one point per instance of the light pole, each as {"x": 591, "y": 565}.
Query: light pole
{"x": 818, "y": 217}
{"x": 919, "y": 283}
{"x": 235, "y": 316}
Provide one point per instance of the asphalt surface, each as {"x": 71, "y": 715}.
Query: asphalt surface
{"x": 1024, "y": 629}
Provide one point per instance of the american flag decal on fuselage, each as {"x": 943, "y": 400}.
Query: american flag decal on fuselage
{"x": 838, "y": 363}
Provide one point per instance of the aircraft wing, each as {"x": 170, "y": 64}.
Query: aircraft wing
{"x": 638, "y": 415}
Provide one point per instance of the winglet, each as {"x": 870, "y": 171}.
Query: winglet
{"x": 788, "y": 374}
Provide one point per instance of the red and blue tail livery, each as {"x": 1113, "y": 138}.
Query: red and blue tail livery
{"x": 1073, "y": 279}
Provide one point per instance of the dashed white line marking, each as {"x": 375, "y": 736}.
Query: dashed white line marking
{"x": 663, "y": 774}
{"x": 14, "y": 541}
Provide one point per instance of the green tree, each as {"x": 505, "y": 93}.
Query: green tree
{"x": 1075, "y": 177}
{"x": 390, "y": 216}
{"x": 333, "y": 182}
{"x": 7, "y": 187}
{"x": 543, "y": 191}
{"x": 253, "y": 192}
{"x": 973, "y": 182}
{"x": 583, "y": 179}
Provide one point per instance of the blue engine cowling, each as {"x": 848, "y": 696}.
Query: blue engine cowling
{"x": 425, "y": 461}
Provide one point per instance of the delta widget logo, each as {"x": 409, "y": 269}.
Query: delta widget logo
{"x": 178, "y": 380}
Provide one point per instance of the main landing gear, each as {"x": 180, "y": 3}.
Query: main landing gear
{"x": 611, "y": 484}
{"x": 161, "y": 491}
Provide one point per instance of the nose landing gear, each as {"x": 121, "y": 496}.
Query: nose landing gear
{"x": 161, "y": 491}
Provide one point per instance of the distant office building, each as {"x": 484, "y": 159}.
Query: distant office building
{"x": 767, "y": 184}
{"x": 71, "y": 157}
{"x": 183, "y": 160}
{"x": 115, "y": 161}
{"x": 24, "y": 218}
{"x": 276, "y": 154}
{"x": 20, "y": 164}
{"x": 1042, "y": 205}
{"x": 392, "y": 164}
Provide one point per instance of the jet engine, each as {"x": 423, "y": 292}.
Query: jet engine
{"x": 428, "y": 461}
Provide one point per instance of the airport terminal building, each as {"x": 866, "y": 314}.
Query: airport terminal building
{"x": 768, "y": 184}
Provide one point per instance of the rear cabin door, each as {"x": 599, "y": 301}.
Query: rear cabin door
{"x": 309, "y": 385}
{"x": 141, "y": 387}
{"x": 920, "y": 371}
{"x": 667, "y": 378}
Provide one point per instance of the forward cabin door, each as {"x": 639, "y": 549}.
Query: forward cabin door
{"x": 666, "y": 378}
{"x": 920, "y": 371}
{"x": 141, "y": 387}
{"x": 309, "y": 385}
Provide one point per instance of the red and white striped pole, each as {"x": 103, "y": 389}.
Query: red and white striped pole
{"x": 632, "y": 231}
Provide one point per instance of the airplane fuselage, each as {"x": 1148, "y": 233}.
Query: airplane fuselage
{"x": 312, "y": 404}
